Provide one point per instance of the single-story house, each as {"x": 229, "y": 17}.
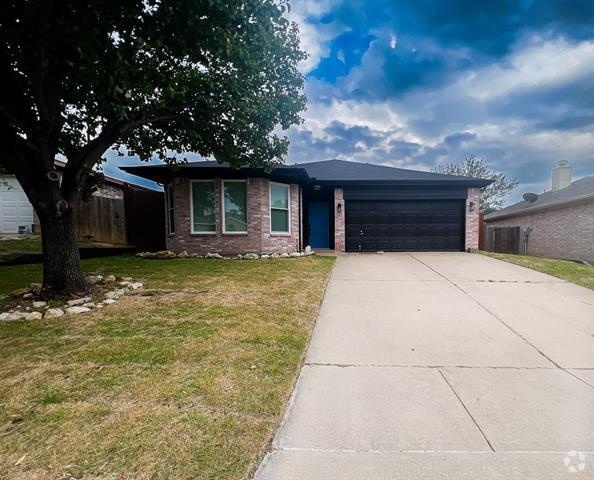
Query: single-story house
{"x": 558, "y": 223}
{"x": 333, "y": 204}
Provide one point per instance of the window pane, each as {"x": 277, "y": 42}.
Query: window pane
{"x": 203, "y": 203}
{"x": 279, "y": 220}
{"x": 279, "y": 196}
{"x": 235, "y": 207}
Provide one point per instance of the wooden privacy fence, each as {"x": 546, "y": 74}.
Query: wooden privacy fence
{"x": 130, "y": 216}
{"x": 102, "y": 219}
{"x": 502, "y": 239}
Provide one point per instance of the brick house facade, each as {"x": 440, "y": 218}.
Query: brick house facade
{"x": 258, "y": 238}
{"x": 335, "y": 204}
{"x": 565, "y": 231}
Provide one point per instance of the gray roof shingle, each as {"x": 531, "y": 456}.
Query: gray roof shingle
{"x": 346, "y": 171}
{"x": 332, "y": 171}
{"x": 583, "y": 187}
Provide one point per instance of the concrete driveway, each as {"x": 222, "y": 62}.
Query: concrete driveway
{"x": 442, "y": 366}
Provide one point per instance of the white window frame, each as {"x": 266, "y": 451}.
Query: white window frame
{"x": 288, "y": 186}
{"x": 243, "y": 232}
{"x": 170, "y": 209}
{"x": 214, "y": 186}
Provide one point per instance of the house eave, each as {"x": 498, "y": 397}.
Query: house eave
{"x": 441, "y": 183}
{"x": 540, "y": 208}
{"x": 288, "y": 174}
{"x": 165, "y": 175}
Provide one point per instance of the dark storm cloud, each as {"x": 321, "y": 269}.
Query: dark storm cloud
{"x": 490, "y": 28}
{"x": 456, "y": 139}
{"x": 402, "y": 149}
{"x": 354, "y": 134}
{"x": 336, "y": 140}
{"x": 346, "y": 51}
{"x": 569, "y": 123}
{"x": 429, "y": 33}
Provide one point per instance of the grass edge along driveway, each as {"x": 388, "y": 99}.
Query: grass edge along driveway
{"x": 191, "y": 383}
{"x": 573, "y": 272}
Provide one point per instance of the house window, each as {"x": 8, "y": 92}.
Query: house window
{"x": 203, "y": 207}
{"x": 279, "y": 208}
{"x": 170, "y": 210}
{"x": 234, "y": 206}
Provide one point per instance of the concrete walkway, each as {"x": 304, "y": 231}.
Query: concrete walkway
{"x": 442, "y": 366}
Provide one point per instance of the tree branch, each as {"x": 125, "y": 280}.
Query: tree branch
{"x": 10, "y": 118}
{"x": 76, "y": 172}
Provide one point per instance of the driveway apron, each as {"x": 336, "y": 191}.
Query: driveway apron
{"x": 442, "y": 366}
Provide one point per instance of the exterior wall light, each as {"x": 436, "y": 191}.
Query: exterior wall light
{"x": 317, "y": 188}
{"x": 471, "y": 206}
{"x": 339, "y": 207}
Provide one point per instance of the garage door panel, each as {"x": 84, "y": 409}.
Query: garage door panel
{"x": 404, "y": 225}
{"x": 15, "y": 209}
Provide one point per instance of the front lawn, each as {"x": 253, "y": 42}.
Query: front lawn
{"x": 190, "y": 383}
{"x": 32, "y": 244}
{"x": 573, "y": 272}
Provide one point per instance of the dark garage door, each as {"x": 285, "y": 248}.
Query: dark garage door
{"x": 404, "y": 225}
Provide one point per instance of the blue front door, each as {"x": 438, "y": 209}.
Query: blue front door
{"x": 319, "y": 225}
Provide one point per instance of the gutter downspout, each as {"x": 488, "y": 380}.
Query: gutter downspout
{"x": 300, "y": 208}
{"x": 526, "y": 234}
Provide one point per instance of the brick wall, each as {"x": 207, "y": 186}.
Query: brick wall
{"x": 258, "y": 239}
{"x": 566, "y": 232}
{"x": 472, "y": 220}
{"x": 278, "y": 242}
{"x": 339, "y": 236}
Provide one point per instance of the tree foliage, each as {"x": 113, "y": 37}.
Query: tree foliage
{"x": 156, "y": 77}
{"x": 212, "y": 77}
{"x": 493, "y": 195}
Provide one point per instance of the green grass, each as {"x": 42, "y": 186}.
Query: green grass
{"x": 189, "y": 384}
{"x": 32, "y": 244}
{"x": 573, "y": 272}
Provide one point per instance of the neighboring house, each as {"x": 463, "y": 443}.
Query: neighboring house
{"x": 117, "y": 213}
{"x": 16, "y": 213}
{"x": 332, "y": 204}
{"x": 559, "y": 223}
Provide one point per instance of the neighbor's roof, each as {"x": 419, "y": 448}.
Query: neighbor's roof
{"x": 580, "y": 189}
{"x": 326, "y": 171}
{"x": 108, "y": 180}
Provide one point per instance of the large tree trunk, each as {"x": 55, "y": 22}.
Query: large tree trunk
{"x": 62, "y": 270}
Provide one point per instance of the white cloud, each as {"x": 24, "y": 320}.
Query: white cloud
{"x": 538, "y": 64}
{"x": 314, "y": 37}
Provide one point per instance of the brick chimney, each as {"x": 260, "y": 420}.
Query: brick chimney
{"x": 561, "y": 177}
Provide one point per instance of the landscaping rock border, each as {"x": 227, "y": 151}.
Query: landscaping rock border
{"x": 109, "y": 289}
{"x": 168, "y": 254}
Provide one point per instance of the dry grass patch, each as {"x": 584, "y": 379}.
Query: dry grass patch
{"x": 574, "y": 272}
{"x": 189, "y": 384}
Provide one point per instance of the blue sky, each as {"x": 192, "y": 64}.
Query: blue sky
{"x": 415, "y": 84}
